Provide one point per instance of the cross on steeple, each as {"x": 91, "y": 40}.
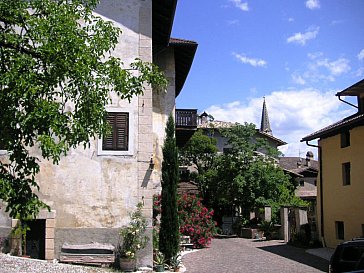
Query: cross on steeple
{"x": 264, "y": 124}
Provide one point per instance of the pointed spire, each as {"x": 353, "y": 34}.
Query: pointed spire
{"x": 264, "y": 124}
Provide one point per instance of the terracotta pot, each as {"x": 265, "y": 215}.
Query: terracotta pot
{"x": 127, "y": 265}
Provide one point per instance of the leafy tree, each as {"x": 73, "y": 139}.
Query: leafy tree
{"x": 246, "y": 176}
{"x": 251, "y": 170}
{"x": 55, "y": 77}
{"x": 169, "y": 228}
{"x": 199, "y": 152}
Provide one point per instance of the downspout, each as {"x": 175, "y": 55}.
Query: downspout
{"x": 344, "y": 101}
{"x": 321, "y": 190}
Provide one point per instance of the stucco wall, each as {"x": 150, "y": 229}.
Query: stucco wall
{"x": 93, "y": 194}
{"x": 342, "y": 203}
{"x": 163, "y": 106}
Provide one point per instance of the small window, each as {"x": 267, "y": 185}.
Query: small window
{"x": 345, "y": 139}
{"x": 117, "y": 140}
{"x": 315, "y": 182}
{"x": 302, "y": 183}
{"x": 339, "y": 226}
{"x": 346, "y": 173}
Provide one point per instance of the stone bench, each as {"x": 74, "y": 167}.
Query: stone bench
{"x": 185, "y": 243}
{"x": 90, "y": 254}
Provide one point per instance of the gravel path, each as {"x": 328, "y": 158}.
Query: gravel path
{"x": 238, "y": 255}
{"x": 12, "y": 264}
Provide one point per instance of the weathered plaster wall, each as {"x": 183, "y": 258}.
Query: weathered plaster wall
{"x": 163, "y": 106}
{"x": 93, "y": 194}
{"x": 342, "y": 203}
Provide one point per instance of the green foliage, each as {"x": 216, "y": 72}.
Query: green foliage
{"x": 133, "y": 236}
{"x": 200, "y": 151}
{"x": 248, "y": 176}
{"x": 159, "y": 258}
{"x": 175, "y": 262}
{"x": 169, "y": 229}
{"x": 55, "y": 78}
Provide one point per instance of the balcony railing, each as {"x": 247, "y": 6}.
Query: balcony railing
{"x": 186, "y": 118}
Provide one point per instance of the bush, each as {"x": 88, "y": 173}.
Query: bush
{"x": 195, "y": 220}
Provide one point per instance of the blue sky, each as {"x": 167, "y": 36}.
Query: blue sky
{"x": 297, "y": 54}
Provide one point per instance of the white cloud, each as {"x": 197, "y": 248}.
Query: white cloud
{"x": 302, "y": 38}
{"x": 298, "y": 79}
{"x": 293, "y": 114}
{"x": 318, "y": 69}
{"x": 361, "y": 55}
{"x": 312, "y": 4}
{"x": 240, "y": 5}
{"x": 337, "y": 67}
{"x": 251, "y": 61}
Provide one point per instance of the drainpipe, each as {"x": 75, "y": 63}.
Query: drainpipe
{"x": 321, "y": 188}
{"x": 344, "y": 101}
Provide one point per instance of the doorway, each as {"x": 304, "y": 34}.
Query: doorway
{"x": 35, "y": 239}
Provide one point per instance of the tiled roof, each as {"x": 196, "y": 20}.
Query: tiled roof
{"x": 290, "y": 163}
{"x": 226, "y": 124}
{"x": 306, "y": 193}
{"x": 184, "y": 52}
{"x": 280, "y": 142}
{"x": 333, "y": 129}
{"x": 181, "y": 41}
{"x": 354, "y": 90}
{"x": 216, "y": 124}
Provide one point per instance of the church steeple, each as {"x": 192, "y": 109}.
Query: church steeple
{"x": 264, "y": 124}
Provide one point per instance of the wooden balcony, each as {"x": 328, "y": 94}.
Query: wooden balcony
{"x": 186, "y": 125}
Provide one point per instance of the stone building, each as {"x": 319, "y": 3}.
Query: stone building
{"x": 340, "y": 193}
{"x": 211, "y": 128}
{"x": 304, "y": 171}
{"x": 92, "y": 191}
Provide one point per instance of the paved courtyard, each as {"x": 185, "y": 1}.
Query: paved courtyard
{"x": 243, "y": 255}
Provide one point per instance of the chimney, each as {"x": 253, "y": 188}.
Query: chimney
{"x": 309, "y": 157}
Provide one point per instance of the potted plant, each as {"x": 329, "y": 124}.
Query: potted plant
{"x": 159, "y": 262}
{"x": 175, "y": 262}
{"x": 267, "y": 227}
{"x": 133, "y": 239}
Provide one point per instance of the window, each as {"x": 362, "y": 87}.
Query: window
{"x": 302, "y": 183}
{"x": 315, "y": 182}
{"x": 119, "y": 141}
{"x": 339, "y": 226}
{"x": 346, "y": 173}
{"x": 345, "y": 139}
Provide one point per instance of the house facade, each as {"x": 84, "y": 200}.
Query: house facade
{"x": 340, "y": 184}
{"x": 92, "y": 191}
{"x": 211, "y": 128}
{"x": 305, "y": 172}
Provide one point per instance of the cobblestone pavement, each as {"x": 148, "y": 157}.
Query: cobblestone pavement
{"x": 243, "y": 255}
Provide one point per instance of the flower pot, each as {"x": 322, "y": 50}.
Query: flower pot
{"x": 127, "y": 264}
{"x": 159, "y": 268}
